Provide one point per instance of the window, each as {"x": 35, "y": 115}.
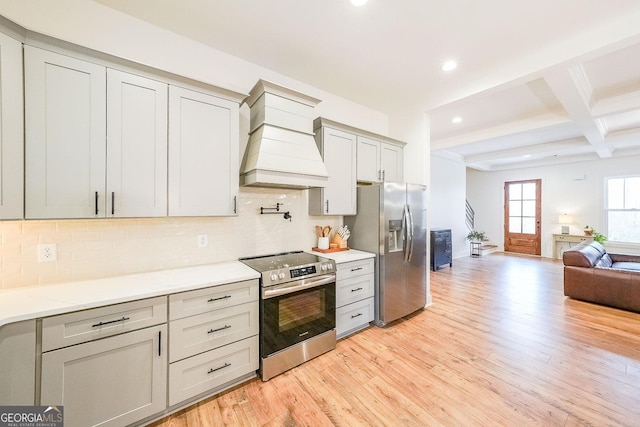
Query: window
{"x": 522, "y": 207}
{"x": 623, "y": 209}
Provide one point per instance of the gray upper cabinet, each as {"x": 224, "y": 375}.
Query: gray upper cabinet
{"x": 338, "y": 150}
{"x": 102, "y": 142}
{"x": 391, "y": 162}
{"x": 96, "y": 140}
{"x": 368, "y": 160}
{"x": 65, "y": 130}
{"x": 136, "y": 146}
{"x": 379, "y": 161}
{"x": 203, "y": 154}
{"x": 11, "y": 129}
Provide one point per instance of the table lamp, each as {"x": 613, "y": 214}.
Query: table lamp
{"x": 565, "y": 220}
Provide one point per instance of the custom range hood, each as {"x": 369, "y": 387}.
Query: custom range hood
{"x": 281, "y": 151}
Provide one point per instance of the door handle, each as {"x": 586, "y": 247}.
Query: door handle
{"x": 405, "y": 233}
{"x": 410, "y": 233}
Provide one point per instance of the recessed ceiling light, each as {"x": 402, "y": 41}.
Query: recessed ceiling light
{"x": 358, "y": 2}
{"x": 449, "y": 65}
{"x": 456, "y": 120}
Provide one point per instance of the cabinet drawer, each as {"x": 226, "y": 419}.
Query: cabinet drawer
{"x": 206, "y": 331}
{"x": 354, "y": 289}
{"x": 354, "y": 316}
{"x": 206, "y": 371}
{"x": 354, "y": 268}
{"x": 82, "y": 326}
{"x": 202, "y": 300}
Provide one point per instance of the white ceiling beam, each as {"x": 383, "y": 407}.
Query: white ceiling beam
{"x": 572, "y": 88}
{"x": 507, "y": 129}
{"x": 617, "y": 104}
{"x": 547, "y": 149}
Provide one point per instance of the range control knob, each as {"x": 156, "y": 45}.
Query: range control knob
{"x": 330, "y": 266}
{"x": 273, "y": 277}
{"x": 323, "y": 267}
{"x": 281, "y": 275}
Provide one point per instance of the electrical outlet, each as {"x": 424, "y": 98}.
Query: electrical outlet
{"x": 203, "y": 240}
{"x": 47, "y": 252}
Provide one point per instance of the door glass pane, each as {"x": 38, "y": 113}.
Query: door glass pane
{"x": 515, "y": 224}
{"x": 515, "y": 208}
{"x": 515, "y": 191}
{"x": 529, "y": 225}
{"x": 529, "y": 191}
{"x": 529, "y": 208}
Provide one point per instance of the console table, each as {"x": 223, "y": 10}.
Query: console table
{"x": 565, "y": 241}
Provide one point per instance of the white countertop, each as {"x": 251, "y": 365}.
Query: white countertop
{"x": 46, "y": 300}
{"x": 345, "y": 256}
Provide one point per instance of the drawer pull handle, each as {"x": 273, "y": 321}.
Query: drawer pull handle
{"x": 109, "y": 322}
{"x": 226, "y": 365}
{"x": 356, "y": 290}
{"x": 356, "y": 269}
{"x": 219, "y": 329}
{"x": 219, "y": 298}
{"x": 356, "y": 315}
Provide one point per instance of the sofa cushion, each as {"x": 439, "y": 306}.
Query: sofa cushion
{"x": 585, "y": 254}
{"x": 635, "y": 266}
{"x": 605, "y": 262}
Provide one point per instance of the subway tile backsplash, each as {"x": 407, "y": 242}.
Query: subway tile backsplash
{"x": 95, "y": 248}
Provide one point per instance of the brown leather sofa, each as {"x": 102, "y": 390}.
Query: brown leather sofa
{"x": 592, "y": 274}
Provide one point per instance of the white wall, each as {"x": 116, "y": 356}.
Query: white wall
{"x": 412, "y": 125}
{"x": 576, "y": 189}
{"x": 448, "y": 195}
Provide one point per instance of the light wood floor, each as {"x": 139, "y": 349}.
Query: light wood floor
{"x": 500, "y": 345}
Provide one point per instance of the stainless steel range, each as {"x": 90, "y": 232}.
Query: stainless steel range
{"x": 297, "y": 309}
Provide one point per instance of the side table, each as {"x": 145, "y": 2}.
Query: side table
{"x": 475, "y": 249}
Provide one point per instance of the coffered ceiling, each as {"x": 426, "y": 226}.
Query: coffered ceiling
{"x": 538, "y": 82}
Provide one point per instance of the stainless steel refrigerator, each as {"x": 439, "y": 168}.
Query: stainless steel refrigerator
{"x": 392, "y": 223}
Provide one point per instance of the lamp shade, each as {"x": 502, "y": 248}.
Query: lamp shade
{"x": 565, "y": 219}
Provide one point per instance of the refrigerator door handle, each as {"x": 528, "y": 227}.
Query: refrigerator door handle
{"x": 410, "y": 233}
{"x": 405, "y": 233}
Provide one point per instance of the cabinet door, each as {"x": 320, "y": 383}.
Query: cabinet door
{"x": 18, "y": 363}
{"x": 203, "y": 154}
{"x": 65, "y": 129}
{"x": 391, "y": 162}
{"x": 11, "y": 129}
{"x": 338, "y": 150}
{"x": 136, "y": 146}
{"x": 368, "y": 160}
{"x": 110, "y": 382}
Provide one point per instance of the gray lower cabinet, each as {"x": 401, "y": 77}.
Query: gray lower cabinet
{"x": 110, "y": 382}
{"x": 212, "y": 370}
{"x": 214, "y": 339}
{"x": 118, "y": 374}
{"x": 18, "y": 363}
{"x": 355, "y": 287}
{"x": 131, "y": 363}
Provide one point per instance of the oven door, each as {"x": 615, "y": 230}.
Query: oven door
{"x": 293, "y": 312}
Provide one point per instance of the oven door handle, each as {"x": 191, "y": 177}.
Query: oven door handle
{"x": 288, "y": 288}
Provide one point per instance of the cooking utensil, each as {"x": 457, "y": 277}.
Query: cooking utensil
{"x": 318, "y": 231}
{"x": 325, "y": 231}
